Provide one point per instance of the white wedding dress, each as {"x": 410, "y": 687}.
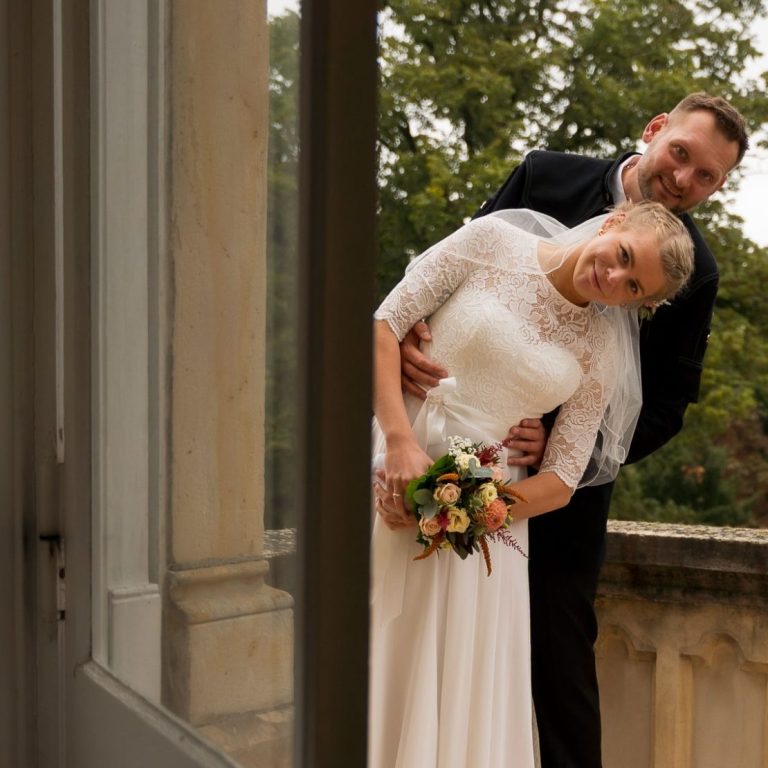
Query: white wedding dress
{"x": 450, "y": 653}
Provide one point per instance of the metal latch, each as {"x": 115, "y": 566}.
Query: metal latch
{"x": 56, "y": 547}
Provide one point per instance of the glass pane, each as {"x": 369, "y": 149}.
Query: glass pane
{"x": 282, "y": 253}
{"x": 195, "y": 221}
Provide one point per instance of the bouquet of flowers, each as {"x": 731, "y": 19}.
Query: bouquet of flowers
{"x": 461, "y": 502}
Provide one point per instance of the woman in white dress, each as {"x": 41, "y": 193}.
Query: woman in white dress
{"x": 520, "y": 322}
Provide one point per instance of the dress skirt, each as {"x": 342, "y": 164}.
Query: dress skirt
{"x": 450, "y": 679}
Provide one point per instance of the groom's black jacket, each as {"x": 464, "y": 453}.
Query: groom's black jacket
{"x": 572, "y": 189}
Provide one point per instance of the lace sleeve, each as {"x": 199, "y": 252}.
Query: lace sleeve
{"x": 436, "y": 274}
{"x": 572, "y": 440}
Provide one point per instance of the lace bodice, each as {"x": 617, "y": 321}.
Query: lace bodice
{"x": 516, "y": 347}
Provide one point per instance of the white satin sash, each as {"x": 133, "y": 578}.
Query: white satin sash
{"x": 441, "y": 416}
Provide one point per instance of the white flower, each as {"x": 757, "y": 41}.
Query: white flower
{"x": 459, "y": 445}
{"x": 463, "y": 460}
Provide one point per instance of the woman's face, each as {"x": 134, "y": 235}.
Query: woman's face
{"x": 621, "y": 266}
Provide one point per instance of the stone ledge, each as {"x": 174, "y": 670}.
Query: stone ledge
{"x": 742, "y": 550}
{"x": 686, "y": 563}
{"x": 279, "y": 542}
{"x": 225, "y": 591}
{"x": 255, "y": 739}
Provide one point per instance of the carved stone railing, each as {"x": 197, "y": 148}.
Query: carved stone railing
{"x": 683, "y": 644}
{"x": 683, "y": 647}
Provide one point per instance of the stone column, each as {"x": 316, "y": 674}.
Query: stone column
{"x": 228, "y": 636}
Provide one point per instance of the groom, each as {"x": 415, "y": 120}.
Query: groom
{"x": 690, "y": 152}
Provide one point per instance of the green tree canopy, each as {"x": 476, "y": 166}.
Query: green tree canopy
{"x": 468, "y": 86}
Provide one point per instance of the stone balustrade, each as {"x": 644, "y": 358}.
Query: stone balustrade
{"x": 683, "y": 647}
{"x": 683, "y": 644}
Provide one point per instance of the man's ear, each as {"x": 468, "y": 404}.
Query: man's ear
{"x": 654, "y": 126}
{"x": 722, "y": 183}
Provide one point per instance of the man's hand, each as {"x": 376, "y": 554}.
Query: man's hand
{"x": 418, "y": 372}
{"x": 530, "y": 438}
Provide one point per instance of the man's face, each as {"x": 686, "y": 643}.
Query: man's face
{"x": 687, "y": 160}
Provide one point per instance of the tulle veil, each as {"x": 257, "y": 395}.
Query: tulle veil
{"x": 624, "y": 398}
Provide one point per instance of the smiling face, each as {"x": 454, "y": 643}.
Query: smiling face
{"x": 687, "y": 160}
{"x": 621, "y": 266}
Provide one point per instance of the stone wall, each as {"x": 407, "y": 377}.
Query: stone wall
{"x": 683, "y": 647}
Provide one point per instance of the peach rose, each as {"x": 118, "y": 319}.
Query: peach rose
{"x": 447, "y": 494}
{"x": 430, "y": 526}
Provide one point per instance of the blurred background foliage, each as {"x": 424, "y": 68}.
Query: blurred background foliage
{"x": 467, "y": 87}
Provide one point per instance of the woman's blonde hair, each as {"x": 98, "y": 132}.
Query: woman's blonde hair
{"x": 675, "y": 244}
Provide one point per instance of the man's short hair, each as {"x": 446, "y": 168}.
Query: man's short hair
{"x": 729, "y": 120}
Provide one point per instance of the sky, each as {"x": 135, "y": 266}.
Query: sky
{"x": 749, "y": 201}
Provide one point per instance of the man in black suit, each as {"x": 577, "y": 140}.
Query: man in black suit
{"x": 689, "y": 155}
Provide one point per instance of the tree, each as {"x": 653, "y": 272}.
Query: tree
{"x": 468, "y": 85}
{"x": 459, "y": 81}
{"x": 282, "y": 260}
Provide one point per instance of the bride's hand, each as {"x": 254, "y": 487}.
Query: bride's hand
{"x": 403, "y": 461}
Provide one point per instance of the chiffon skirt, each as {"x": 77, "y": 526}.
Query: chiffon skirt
{"x": 450, "y": 663}
{"x": 450, "y": 673}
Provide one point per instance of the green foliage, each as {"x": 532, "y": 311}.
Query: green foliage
{"x": 683, "y": 482}
{"x": 467, "y": 86}
{"x": 630, "y": 60}
{"x": 282, "y": 251}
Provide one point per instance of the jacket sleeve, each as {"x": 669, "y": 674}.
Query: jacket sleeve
{"x": 570, "y": 188}
{"x": 510, "y": 194}
{"x": 672, "y": 347}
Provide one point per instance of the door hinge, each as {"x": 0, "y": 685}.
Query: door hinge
{"x": 56, "y": 547}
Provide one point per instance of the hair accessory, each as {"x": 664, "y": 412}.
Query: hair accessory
{"x": 647, "y": 310}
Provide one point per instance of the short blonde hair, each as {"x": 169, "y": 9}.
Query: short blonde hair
{"x": 675, "y": 244}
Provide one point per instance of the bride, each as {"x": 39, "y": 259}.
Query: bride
{"x": 524, "y": 323}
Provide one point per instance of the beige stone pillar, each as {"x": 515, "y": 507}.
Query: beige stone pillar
{"x": 228, "y": 636}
